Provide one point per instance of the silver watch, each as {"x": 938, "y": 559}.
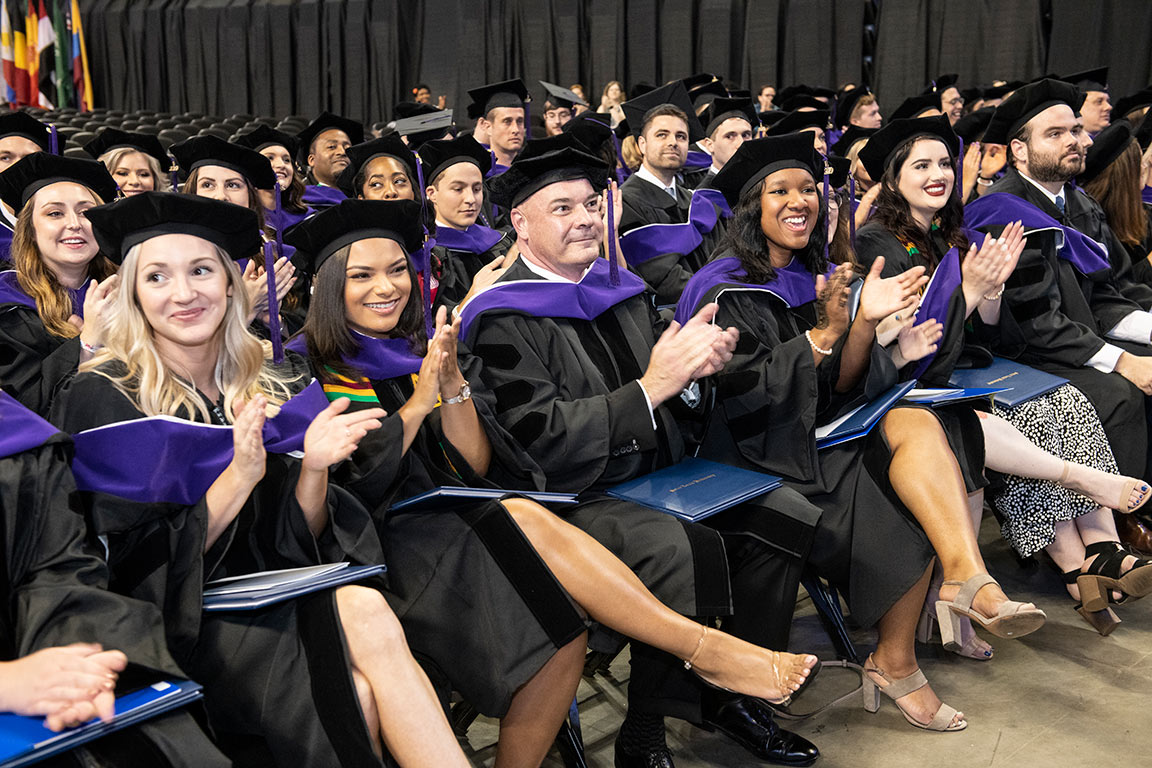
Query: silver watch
{"x": 465, "y": 394}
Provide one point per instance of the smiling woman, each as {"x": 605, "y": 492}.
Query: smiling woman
{"x": 60, "y": 280}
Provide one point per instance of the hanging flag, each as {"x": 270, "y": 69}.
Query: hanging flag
{"x": 63, "y": 62}
{"x": 32, "y": 55}
{"x": 7, "y": 55}
{"x": 81, "y": 75}
{"x": 19, "y": 80}
{"x": 45, "y": 58}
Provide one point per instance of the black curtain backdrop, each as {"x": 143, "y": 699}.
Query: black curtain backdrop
{"x": 360, "y": 57}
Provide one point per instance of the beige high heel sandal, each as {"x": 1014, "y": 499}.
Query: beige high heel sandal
{"x": 690, "y": 664}
{"x": 941, "y": 721}
{"x": 1013, "y": 619}
{"x": 1121, "y": 505}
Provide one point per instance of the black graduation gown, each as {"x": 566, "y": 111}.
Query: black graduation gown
{"x": 480, "y": 609}
{"x": 1054, "y": 318}
{"x": 458, "y": 268}
{"x": 961, "y": 424}
{"x": 33, "y": 362}
{"x": 55, "y": 593}
{"x": 769, "y": 400}
{"x": 645, "y": 203}
{"x": 1141, "y": 267}
{"x": 257, "y": 667}
{"x": 566, "y": 391}
{"x": 698, "y": 178}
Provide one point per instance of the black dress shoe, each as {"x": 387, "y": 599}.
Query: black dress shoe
{"x": 751, "y": 726}
{"x": 660, "y": 757}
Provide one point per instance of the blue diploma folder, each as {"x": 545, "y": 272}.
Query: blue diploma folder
{"x": 450, "y": 496}
{"x": 859, "y": 422}
{"x": 695, "y": 488}
{"x": 936, "y": 397}
{"x": 26, "y": 740}
{"x": 1020, "y": 382}
{"x": 258, "y": 590}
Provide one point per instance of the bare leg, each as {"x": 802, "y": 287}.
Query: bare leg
{"x": 896, "y": 650}
{"x": 408, "y": 714}
{"x": 612, "y": 595}
{"x": 1007, "y": 450}
{"x": 937, "y": 499}
{"x": 529, "y": 727}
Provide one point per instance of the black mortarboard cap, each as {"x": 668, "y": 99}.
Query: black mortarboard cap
{"x": 421, "y": 123}
{"x": 114, "y": 138}
{"x": 544, "y": 162}
{"x": 622, "y": 130}
{"x": 33, "y": 172}
{"x": 673, "y": 93}
{"x": 263, "y": 137}
{"x": 802, "y": 101}
{"x": 1027, "y": 102}
{"x": 941, "y": 83}
{"x": 999, "y": 91}
{"x": 772, "y": 116}
{"x": 847, "y": 102}
{"x": 880, "y": 148}
{"x": 697, "y": 80}
{"x": 1142, "y": 98}
{"x": 1106, "y": 147}
{"x": 510, "y": 93}
{"x": 1089, "y": 79}
{"x": 798, "y": 121}
{"x": 704, "y": 94}
{"x": 824, "y": 93}
{"x": 560, "y": 97}
{"x": 192, "y": 153}
{"x": 360, "y": 154}
{"x": 639, "y": 89}
{"x": 438, "y": 156}
{"x": 758, "y": 158}
{"x": 326, "y": 121}
{"x": 23, "y": 124}
{"x": 794, "y": 90}
{"x": 590, "y": 129}
{"x": 722, "y": 109}
{"x": 132, "y": 220}
{"x": 840, "y": 168}
{"x": 913, "y": 106}
{"x": 971, "y": 95}
{"x": 971, "y": 127}
{"x": 318, "y": 237}
{"x": 1143, "y": 131}
{"x": 851, "y": 135}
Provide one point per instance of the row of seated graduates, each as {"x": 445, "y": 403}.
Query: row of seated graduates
{"x": 665, "y": 100}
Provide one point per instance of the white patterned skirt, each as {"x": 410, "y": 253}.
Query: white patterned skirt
{"x": 1063, "y": 423}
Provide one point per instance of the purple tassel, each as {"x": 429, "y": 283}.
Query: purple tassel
{"x": 273, "y": 305}
{"x": 174, "y": 176}
{"x": 279, "y": 222}
{"x": 527, "y": 122}
{"x": 53, "y": 141}
{"x": 960, "y": 169}
{"x": 827, "y": 184}
{"x": 613, "y": 266}
{"x": 852, "y": 211}
{"x": 426, "y": 254}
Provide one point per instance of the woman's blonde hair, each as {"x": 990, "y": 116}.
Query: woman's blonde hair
{"x": 53, "y": 302}
{"x": 630, "y": 152}
{"x": 147, "y": 380}
{"x": 113, "y": 157}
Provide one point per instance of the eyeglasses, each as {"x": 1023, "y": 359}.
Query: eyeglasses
{"x": 956, "y": 102}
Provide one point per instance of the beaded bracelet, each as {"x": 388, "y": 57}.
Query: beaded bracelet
{"x": 825, "y": 352}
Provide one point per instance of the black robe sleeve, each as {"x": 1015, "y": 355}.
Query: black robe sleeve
{"x": 771, "y": 396}
{"x": 33, "y": 362}
{"x": 578, "y": 429}
{"x": 666, "y": 273}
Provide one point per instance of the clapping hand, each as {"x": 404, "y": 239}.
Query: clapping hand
{"x": 986, "y": 269}
{"x": 920, "y": 340}
{"x": 832, "y": 295}
{"x": 884, "y": 296}
{"x": 334, "y": 434}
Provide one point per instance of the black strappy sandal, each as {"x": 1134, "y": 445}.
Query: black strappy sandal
{"x": 1103, "y": 621}
{"x": 1107, "y": 573}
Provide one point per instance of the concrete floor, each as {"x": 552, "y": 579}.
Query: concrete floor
{"x": 1063, "y": 696}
